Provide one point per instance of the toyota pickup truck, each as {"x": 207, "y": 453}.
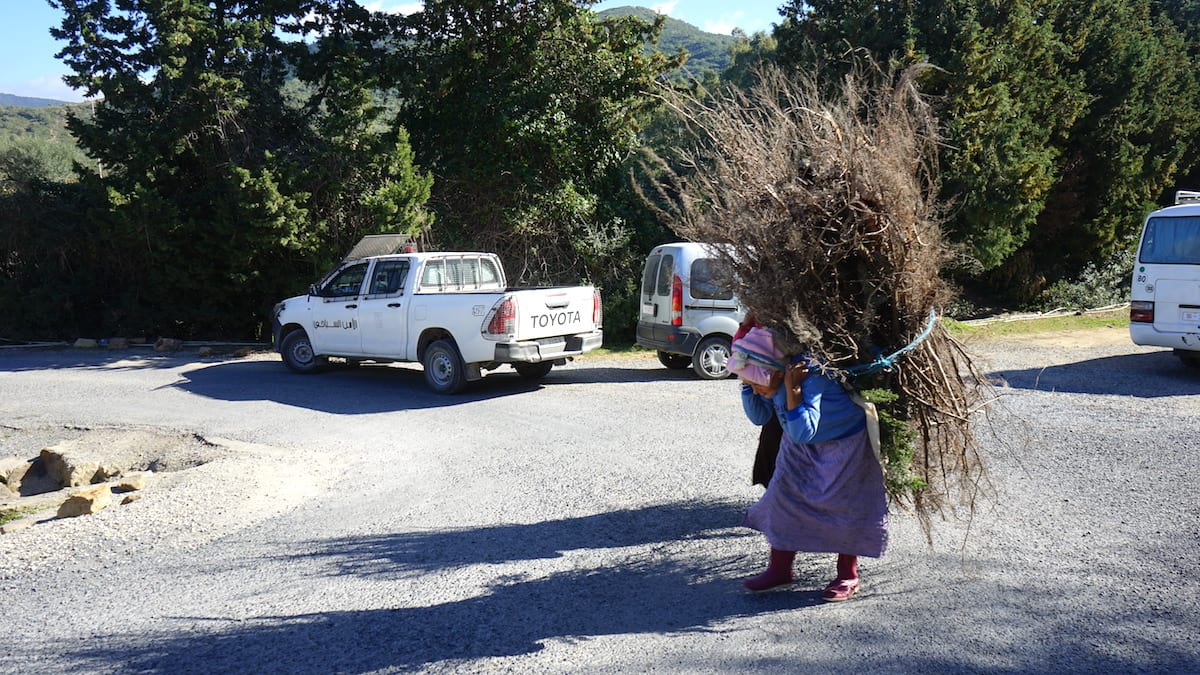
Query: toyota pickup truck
{"x": 451, "y": 312}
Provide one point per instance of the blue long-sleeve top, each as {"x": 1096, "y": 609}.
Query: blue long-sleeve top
{"x": 825, "y": 412}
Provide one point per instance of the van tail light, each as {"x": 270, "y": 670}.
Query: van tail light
{"x": 597, "y": 309}
{"x": 1141, "y": 311}
{"x": 677, "y": 301}
{"x": 503, "y": 319}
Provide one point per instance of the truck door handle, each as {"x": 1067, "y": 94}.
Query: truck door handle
{"x": 393, "y": 304}
{"x": 351, "y": 306}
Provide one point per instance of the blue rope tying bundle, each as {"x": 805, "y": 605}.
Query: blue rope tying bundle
{"x": 882, "y": 362}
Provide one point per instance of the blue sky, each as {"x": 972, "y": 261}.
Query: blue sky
{"x": 28, "y": 66}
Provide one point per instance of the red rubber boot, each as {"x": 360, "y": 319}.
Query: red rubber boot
{"x": 846, "y": 584}
{"x": 778, "y": 572}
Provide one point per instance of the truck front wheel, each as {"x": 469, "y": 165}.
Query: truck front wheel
{"x": 712, "y": 358}
{"x": 298, "y": 355}
{"x": 444, "y": 369}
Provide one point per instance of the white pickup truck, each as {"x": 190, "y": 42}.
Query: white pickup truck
{"x": 452, "y": 312}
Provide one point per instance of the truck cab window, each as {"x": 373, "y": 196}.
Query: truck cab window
{"x": 348, "y": 282}
{"x": 434, "y": 275}
{"x": 389, "y": 277}
{"x": 489, "y": 276}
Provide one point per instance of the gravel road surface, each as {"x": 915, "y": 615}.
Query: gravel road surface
{"x": 352, "y": 522}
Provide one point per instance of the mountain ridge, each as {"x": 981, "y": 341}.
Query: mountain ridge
{"x": 28, "y": 101}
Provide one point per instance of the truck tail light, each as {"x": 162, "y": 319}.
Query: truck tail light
{"x": 503, "y": 319}
{"x": 1141, "y": 311}
{"x": 597, "y": 309}
{"x": 676, "y": 301}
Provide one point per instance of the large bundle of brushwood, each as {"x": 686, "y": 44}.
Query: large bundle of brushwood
{"x": 826, "y": 198}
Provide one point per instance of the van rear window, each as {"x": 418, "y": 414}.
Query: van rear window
{"x": 1172, "y": 240}
{"x": 666, "y": 274}
{"x": 707, "y": 280}
{"x": 649, "y": 274}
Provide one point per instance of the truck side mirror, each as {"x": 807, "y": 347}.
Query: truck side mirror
{"x": 313, "y": 290}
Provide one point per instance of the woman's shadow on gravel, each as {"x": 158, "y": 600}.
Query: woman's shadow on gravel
{"x": 661, "y": 586}
{"x": 1146, "y": 375}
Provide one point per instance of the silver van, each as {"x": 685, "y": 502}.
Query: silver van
{"x": 687, "y": 314}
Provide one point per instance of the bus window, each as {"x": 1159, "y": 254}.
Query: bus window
{"x": 1172, "y": 240}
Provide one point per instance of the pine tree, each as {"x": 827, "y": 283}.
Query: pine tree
{"x": 524, "y": 111}
{"x": 217, "y": 194}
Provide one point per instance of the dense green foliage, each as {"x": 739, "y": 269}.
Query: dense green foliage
{"x": 1064, "y": 121}
{"x": 897, "y": 444}
{"x": 524, "y": 112}
{"x": 241, "y": 147}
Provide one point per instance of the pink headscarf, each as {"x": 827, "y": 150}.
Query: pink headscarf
{"x": 755, "y": 358}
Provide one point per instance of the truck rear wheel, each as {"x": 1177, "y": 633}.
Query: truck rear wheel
{"x": 533, "y": 371}
{"x": 297, "y": 352}
{"x": 674, "y": 361}
{"x": 1189, "y": 359}
{"x": 712, "y": 358}
{"x": 445, "y": 372}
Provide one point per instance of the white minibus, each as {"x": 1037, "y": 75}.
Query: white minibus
{"x": 1164, "y": 309}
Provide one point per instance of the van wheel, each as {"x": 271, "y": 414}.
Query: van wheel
{"x": 674, "y": 361}
{"x": 711, "y": 361}
{"x": 297, "y": 352}
{"x": 533, "y": 371}
{"x": 444, "y": 369}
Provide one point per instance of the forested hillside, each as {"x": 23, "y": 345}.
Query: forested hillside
{"x": 706, "y": 51}
{"x": 34, "y": 140}
{"x": 228, "y": 166}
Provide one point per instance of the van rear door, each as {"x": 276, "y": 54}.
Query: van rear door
{"x": 656, "y": 312}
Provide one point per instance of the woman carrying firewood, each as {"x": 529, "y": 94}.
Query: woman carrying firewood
{"x": 827, "y": 493}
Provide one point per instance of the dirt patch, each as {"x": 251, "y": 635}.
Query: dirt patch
{"x": 41, "y": 467}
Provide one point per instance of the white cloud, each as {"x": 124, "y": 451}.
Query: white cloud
{"x": 721, "y": 26}
{"x": 724, "y": 24}
{"x": 665, "y": 7}
{"x": 49, "y": 86}
{"x": 391, "y": 7}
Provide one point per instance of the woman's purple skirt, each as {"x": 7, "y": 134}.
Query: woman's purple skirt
{"x": 824, "y": 497}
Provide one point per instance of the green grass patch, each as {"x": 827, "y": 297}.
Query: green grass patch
{"x": 9, "y": 515}
{"x": 1118, "y": 318}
